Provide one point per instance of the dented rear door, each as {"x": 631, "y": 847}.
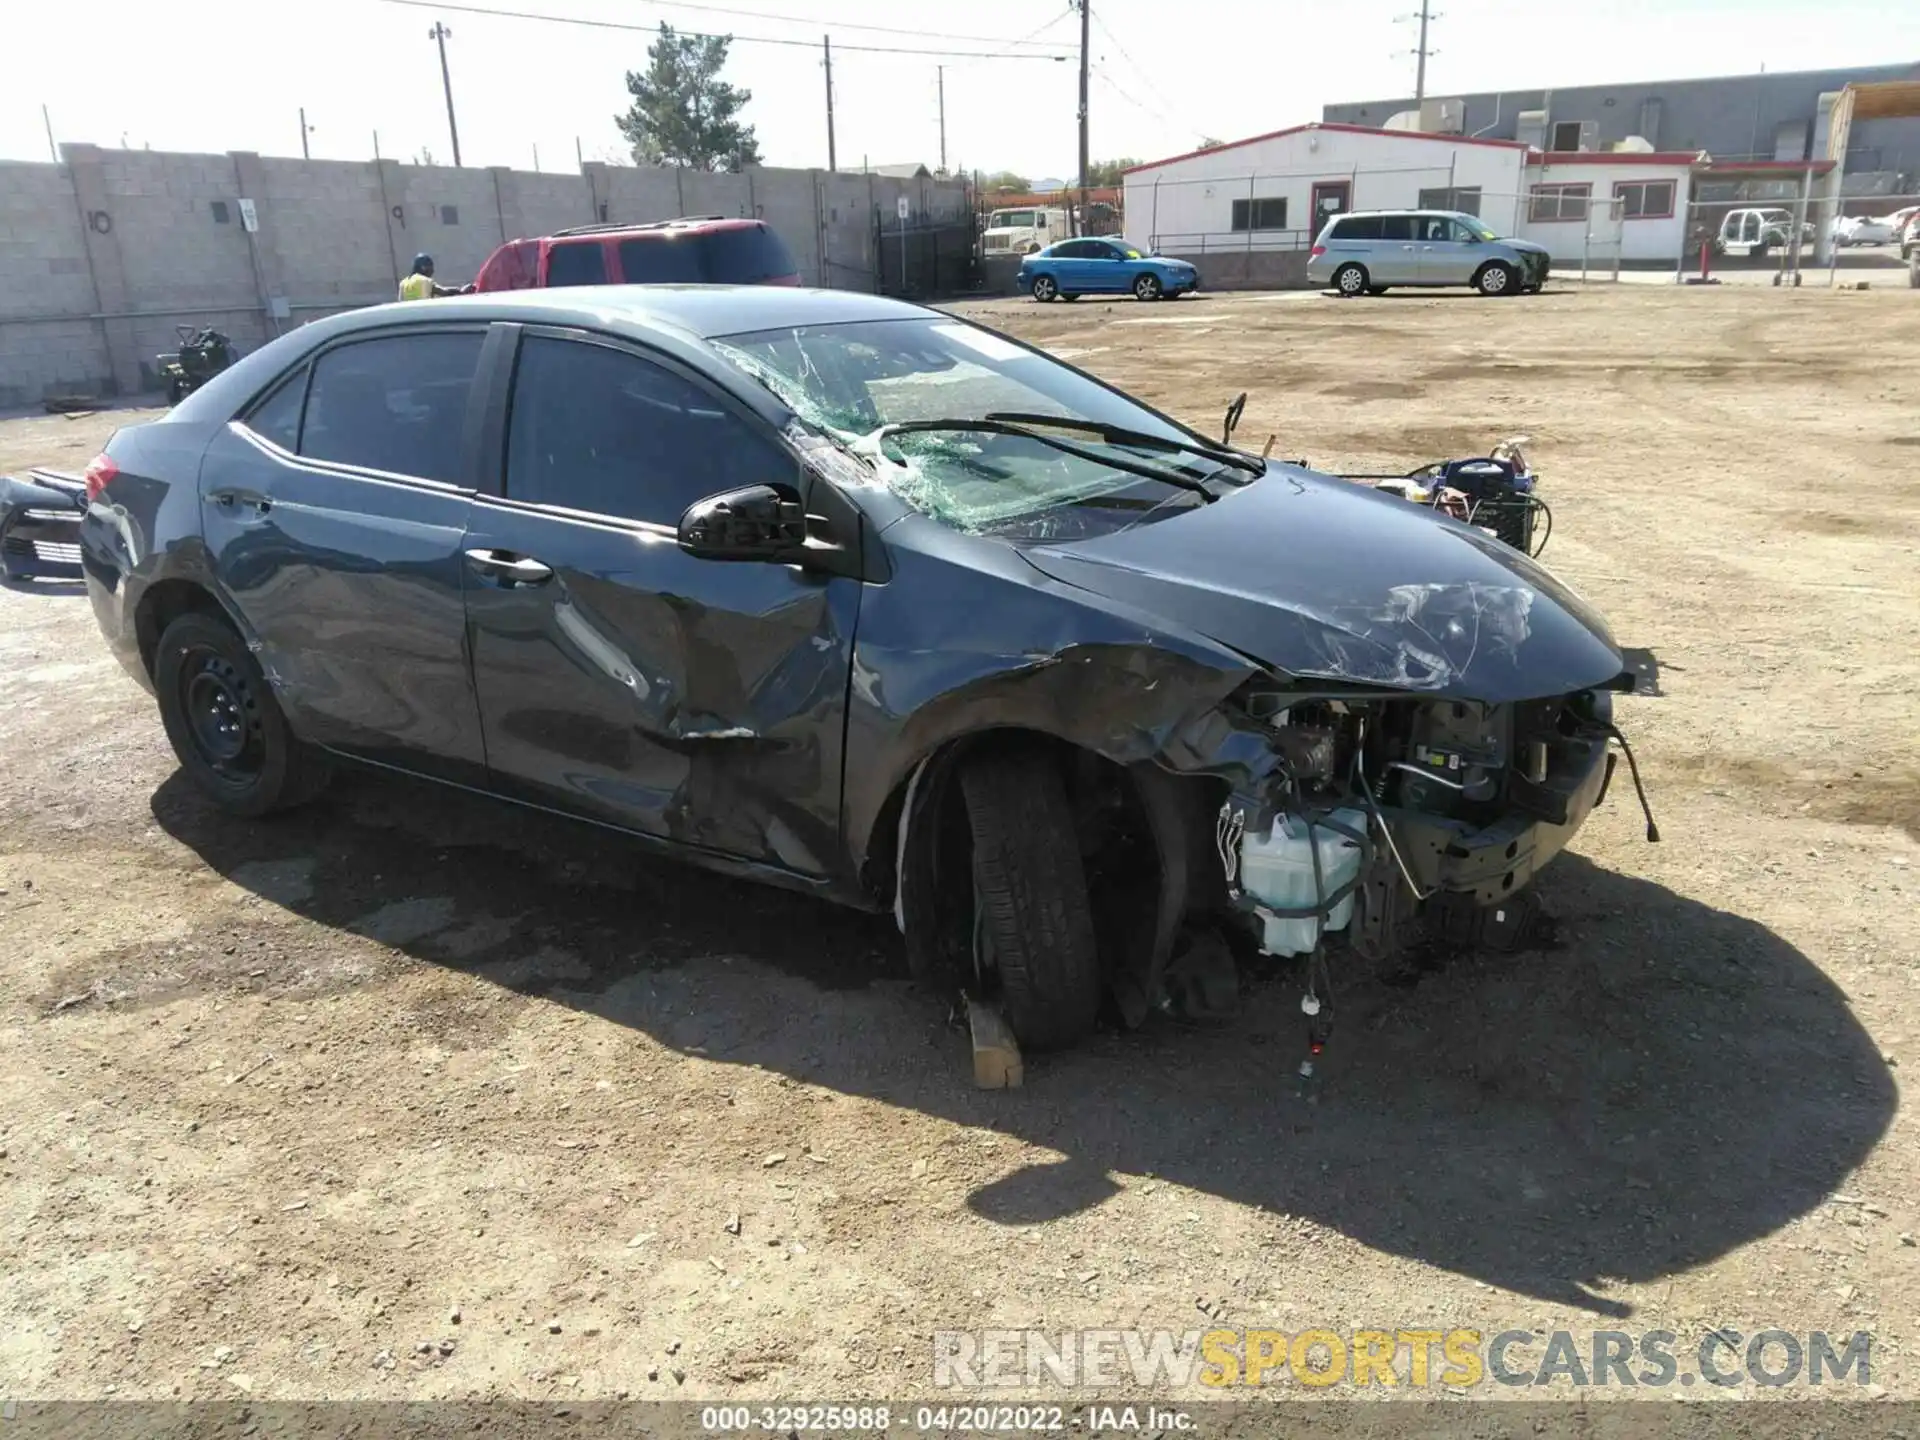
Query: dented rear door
{"x": 620, "y": 678}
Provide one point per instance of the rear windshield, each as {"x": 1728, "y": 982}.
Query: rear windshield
{"x": 745, "y": 255}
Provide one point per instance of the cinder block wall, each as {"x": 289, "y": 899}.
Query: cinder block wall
{"x": 103, "y": 255}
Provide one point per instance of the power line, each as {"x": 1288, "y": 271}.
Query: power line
{"x": 740, "y": 39}
{"x": 1138, "y": 69}
{"x": 1106, "y": 77}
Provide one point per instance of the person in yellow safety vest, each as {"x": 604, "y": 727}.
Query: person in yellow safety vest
{"x": 420, "y": 285}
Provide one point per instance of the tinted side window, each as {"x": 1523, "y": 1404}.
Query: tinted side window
{"x": 397, "y": 404}
{"x": 577, "y": 262}
{"x": 600, "y": 430}
{"x": 661, "y": 259}
{"x": 1357, "y": 227}
{"x": 1396, "y": 227}
{"x": 1074, "y": 250}
{"x": 748, "y": 255}
{"x": 277, "y": 418}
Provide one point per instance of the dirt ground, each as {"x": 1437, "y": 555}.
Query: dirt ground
{"x": 278, "y": 1099}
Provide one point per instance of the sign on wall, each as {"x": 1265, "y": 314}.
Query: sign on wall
{"x": 249, "y": 220}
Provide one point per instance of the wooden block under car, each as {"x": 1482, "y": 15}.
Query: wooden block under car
{"x": 996, "y": 1054}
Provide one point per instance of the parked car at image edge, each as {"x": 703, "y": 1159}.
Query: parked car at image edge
{"x": 1068, "y": 269}
{"x": 1863, "y": 230}
{"x": 694, "y": 250}
{"x": 1368, "y": 252}
{"x": 852, "y": 596}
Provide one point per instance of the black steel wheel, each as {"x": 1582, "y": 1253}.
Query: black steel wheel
{"x": 224, "y": 723}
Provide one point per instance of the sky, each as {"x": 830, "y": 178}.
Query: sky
{"x": 218, "y": 75}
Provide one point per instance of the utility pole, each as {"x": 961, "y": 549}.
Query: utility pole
{"x": 1420, "y": 69}
{"x": 305, "y": 130}
{"x": 1086, "y": 22}
{"x": 941, "y": 72}
{"x": 46, "y": 117}
{"x": 826, "y": 46}
{"x": 439, "y": 35}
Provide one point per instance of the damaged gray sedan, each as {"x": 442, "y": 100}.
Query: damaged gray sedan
{"x": 856, "y": 597}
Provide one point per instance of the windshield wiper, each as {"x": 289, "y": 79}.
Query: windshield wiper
{"x": 1120, "y": 435}
{"x": 1001, "y": 426}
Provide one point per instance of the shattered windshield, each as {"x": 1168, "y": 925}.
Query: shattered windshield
{"x": 851, "y": 380}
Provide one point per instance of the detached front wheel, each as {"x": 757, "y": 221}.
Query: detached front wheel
{"x": 1034, "y": 923}
{"x": 224, "y": 723}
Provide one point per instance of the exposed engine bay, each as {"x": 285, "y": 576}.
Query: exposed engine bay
{"x": 1383, "y": 814}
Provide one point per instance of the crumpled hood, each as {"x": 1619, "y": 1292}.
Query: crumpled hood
{"x": 1326, "y": 578}
{"x": 1526, "y": 247}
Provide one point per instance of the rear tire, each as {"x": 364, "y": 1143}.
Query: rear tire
{"x": 224, "y": 723}
{"x": 1044, "y": 288}
{"x": 1350, "y": 281}
{"x": 1497, "y": 278}
{"x": 1031, "y": 891}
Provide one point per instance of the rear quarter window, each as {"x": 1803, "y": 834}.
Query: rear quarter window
{"x": 576, "y": 262}
{"x": 1356, "y": 227}
{"x": 746, "y": 256}
{"x": 662, "y": 258}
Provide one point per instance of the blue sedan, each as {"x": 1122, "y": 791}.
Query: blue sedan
{"x": 1073, "y": 268}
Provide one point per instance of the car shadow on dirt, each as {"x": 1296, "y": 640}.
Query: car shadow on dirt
{"x": 1669, "y": 1083}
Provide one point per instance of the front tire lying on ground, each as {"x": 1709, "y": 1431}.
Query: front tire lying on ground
{"x": 1030, "y": 890}
{"x": 224, "y": 723}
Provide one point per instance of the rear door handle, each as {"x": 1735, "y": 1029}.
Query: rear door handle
{"x": 506, "y": 568}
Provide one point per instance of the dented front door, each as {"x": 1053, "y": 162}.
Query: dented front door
{"x": 618, "y": 677}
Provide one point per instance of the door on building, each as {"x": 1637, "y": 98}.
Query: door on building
{"x": 1330, "y": 198}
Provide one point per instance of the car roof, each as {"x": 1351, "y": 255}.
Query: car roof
{"x": 675, "y": 318}
{"x": 1409, "y": 210}
{"x": 698, "y": 311}
{"x": 696, "y": 224}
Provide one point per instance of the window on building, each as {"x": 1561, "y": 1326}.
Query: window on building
{"x": 397, "y": 404}
{"x": 1464, "y": 198}
{"x": 220, "y": 212}
{"x": 1558, "y": 202}
{"x": 1717, "y": 192}
{"x": 1260, "y": 213}
{"x": 1566, "y": 135}
{"x": 449, "y": 214}
{"x": 602, "y": 431}
{"x": 1644, "y": 199}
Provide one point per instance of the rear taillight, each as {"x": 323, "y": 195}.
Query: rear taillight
{"x": 100, "y": 473}
{"x": 1316, "y": 252}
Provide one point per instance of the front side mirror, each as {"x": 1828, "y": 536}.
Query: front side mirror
{"x": 757, "y": 522}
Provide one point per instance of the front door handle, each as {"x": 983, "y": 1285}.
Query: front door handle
{"x": 507, "y": 568}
